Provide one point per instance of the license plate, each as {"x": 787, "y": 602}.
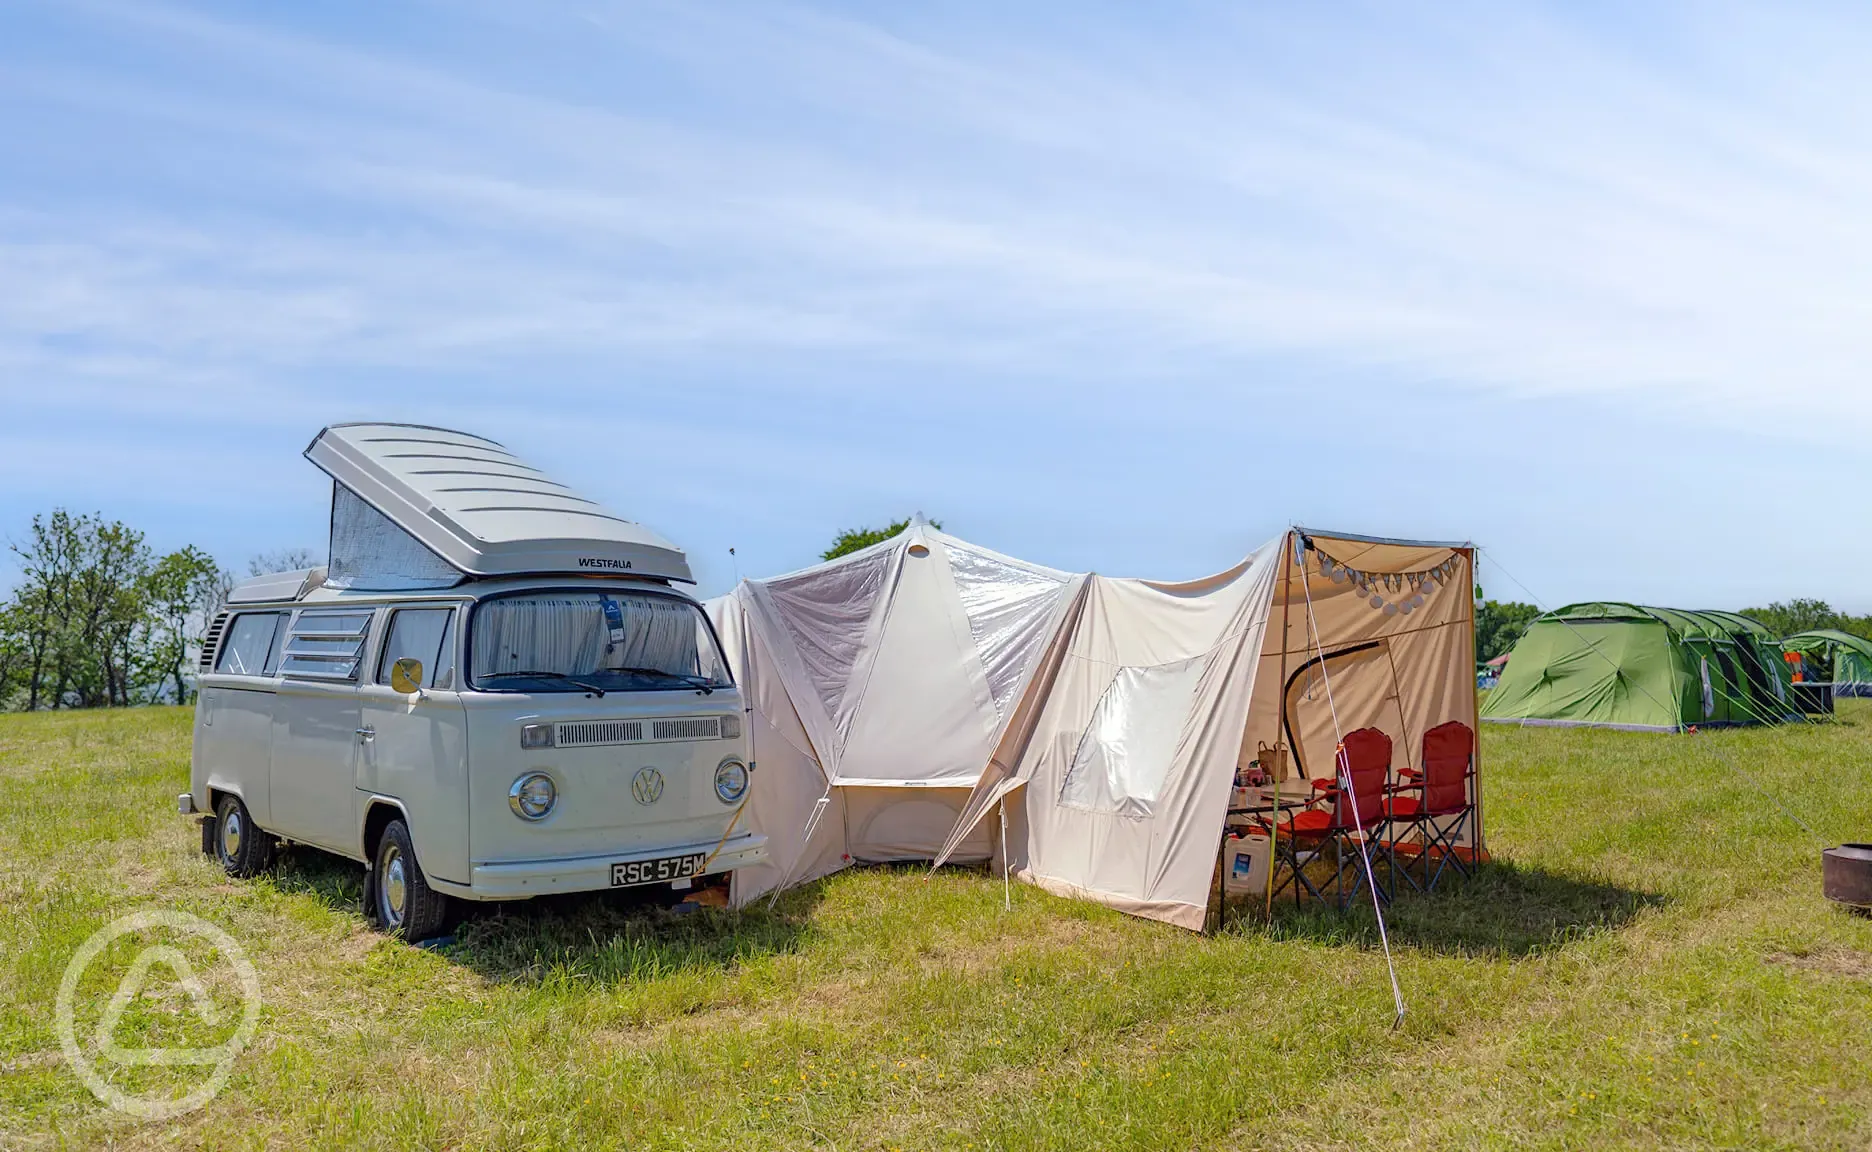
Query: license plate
{"x": 657, "y": 871}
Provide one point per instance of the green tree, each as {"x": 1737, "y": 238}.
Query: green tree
{"x": 102, "y": 611}
{"x": 1798, "y": 615}
{"x": 1498, "y": 624}
{"x": 852, "y": 539}
{"x": 97, "y": 620}
{"x": 181, "y": 591}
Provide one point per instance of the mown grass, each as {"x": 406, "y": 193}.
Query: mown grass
{"x": 1647, "y": 963}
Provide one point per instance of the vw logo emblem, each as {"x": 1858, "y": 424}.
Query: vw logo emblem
{"x": 647, "y": 786}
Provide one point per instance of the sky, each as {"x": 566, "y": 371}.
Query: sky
{"x": 1107, "y": 287}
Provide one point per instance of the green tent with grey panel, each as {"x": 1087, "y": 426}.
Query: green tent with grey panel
{"x": 1615, "y": 665}
{"x": 1837, "y": 658}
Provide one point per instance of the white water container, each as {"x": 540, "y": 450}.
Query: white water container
{"x": 1245, "y": 863}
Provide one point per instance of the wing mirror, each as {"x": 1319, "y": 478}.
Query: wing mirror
{"x": 406, "y": 676}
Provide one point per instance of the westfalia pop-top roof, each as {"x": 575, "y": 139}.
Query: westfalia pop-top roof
{"x": 484, "y": 511}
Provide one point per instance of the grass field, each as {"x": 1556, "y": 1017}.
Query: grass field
{"x": 1647, "y": 963}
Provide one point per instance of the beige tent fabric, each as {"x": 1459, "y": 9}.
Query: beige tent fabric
{"x": 883, "y": 681}
{"x": 885, "y": 825}
{"x": 1210, "y": 660}
{"x": 787, "y": 781}
{"x": 1127, "y": 771}
{"x": 1418, "y": 671}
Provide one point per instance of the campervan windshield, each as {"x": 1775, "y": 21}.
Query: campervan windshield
{"x": 578, "y": 641}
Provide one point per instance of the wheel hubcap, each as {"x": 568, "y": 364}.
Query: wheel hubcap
{"x": 231, "y": 834}
{"x": 394, "y": 886}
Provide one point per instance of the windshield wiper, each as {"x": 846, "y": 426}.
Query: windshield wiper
{"x": 559, "y": 676}
{"x": 700, "y": 683}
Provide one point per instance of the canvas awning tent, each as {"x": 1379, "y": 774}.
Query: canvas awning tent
{"x": 1116, "y": 787}
{"x": 1839, "y": 658}
{"x": 878, "y": 686}
{"x": 1631, "y": 667}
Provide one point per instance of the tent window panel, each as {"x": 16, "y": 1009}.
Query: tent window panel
{"x": 1709, "y": 692}
{"x": 1125, "y": 754}
{"x": 1008, "y": 608}
{"x": 826, "y": 613}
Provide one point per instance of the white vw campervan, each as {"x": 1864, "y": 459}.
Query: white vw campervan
{"x": 492, "y": 691}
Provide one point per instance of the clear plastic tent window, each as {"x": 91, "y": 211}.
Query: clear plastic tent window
{"x": 1010, "y": 614}
{"x": 1125, "y": 754}
{"x": 369, "y": 551}
{"x": 825, "y": 612}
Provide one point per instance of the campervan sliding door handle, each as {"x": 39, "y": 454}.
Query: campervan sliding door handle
{"x": 366, "y": 735}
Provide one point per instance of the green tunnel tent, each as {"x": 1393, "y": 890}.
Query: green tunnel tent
{"x": 1838, "y": 658}
{"x": 1627, "y": 666}
{"x": 1758, "y": 653}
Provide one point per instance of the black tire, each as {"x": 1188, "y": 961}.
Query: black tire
{"x": 403, "y": 903}
{"x": 240, "y": 845}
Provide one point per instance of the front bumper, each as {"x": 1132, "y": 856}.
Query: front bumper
{"x": 513, "y": 881}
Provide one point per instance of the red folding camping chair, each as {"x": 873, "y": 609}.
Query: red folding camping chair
{"x": 1436, "y": 800}
{"x": 1351, "y": 821}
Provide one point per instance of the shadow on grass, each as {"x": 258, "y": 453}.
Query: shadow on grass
{"x": 603, "y": 938}
{"x": 1503, "y": 910}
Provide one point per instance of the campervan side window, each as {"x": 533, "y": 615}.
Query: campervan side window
{"x": 577, "y": 641}
{"x": 252, "y": 645}
{"x": 326, "y": 645}
{"x": 428, "y": 634}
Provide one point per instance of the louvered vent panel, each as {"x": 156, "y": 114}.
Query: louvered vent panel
{"x": 586, "y": 732}
{"x": 707, "y": 728}
{"x": 211, "y": 642}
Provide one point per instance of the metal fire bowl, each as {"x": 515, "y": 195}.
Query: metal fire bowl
{"x": 1846, "y": 874}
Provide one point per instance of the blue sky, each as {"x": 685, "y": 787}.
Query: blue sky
{"x": 1588, "y": 284}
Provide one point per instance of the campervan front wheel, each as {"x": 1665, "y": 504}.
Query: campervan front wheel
{"x": 241, "y": 847}
{"x": 406, "y": 905}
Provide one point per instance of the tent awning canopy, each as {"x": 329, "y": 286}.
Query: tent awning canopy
{"x": 1101, "y": 721}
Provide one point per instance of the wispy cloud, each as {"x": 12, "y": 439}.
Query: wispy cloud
{"x": 208, "y": 217}
{"x": 1527, "y": 207}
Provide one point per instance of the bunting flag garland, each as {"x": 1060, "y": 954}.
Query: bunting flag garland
{"x": 1393, "y": 593}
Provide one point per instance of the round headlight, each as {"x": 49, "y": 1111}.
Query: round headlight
{"x": 532, "y": 796}
{"x": 731, "y": 780}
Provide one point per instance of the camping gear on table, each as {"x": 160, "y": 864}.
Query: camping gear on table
{"x": 1273, "y": 760}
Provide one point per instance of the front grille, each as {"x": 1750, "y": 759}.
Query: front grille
{"x": 585, "y": 732}
{"x": 703, "y": 728}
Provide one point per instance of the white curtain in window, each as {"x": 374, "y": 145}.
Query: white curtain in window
{"x": 658, "y": 633}
{"x": 569, "y": 634}
{"x": 564, "y": 634}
